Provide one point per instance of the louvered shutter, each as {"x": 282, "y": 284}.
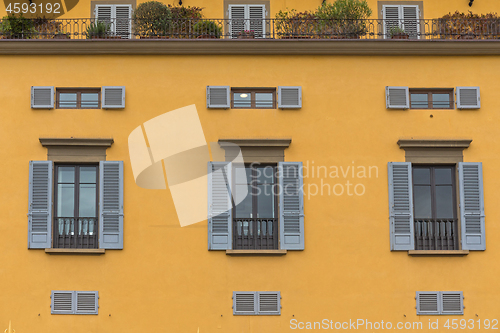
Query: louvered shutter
{"x": 42, "y": 97}
{"x": 256, "y": 16}
{"x": 401, "y": 206}
{"x": 111, "y": 205}
{"x": 218, "y": 97}
{"x": 104, "y": 13}
{"x": 428, "y": 303}
{"x": 40, "y": 205}
{"x": 411, "y": 24}
{"x": 471, "y": 205}
{"x": 237, "y": 22}
{"x": 468, "y": 98}
{"x": 244, "y": 303}
{"x": 289, "y": 97}
{"x": 87, "y": 302}
{"x": 219, "y": 206}
{"x": 397, "y": 97}
{"x": 113, "y": 97}
{"x": 391, "y": 19}
{"x": 269, "y": 303}
{"x": 291, "y": 206}
{"x": 62, "y": 302}
{"x": 452, "y": 303}
{"x": 122, "y": 18}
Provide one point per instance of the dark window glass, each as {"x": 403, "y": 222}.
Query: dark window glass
{"x": 253, "y": 98}
{"x": 78, "y": 98}
{"x": 438, "y": 98}
{"x": 419, "y": 101}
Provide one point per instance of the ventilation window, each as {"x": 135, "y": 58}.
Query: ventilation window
{"x": 253, "y": 303}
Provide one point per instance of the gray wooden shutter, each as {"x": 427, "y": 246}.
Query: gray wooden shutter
{"x": 289, "y": 97}
{"x": 391, "y": 18}
{"x": 113, "y": 97}
{"x": 471, "y": 205}
{"x": 62, "y": 302}
{"x": 397, "y": 97}
{"x": 218, "y": 97}
{"x": 40, "y": 205}
{"x": 401, "y": 206}
{"x": 123, "y": 25}
{"x": 257, "y": 15}
{"x": 111, "y": 205}
{"x": 237, "y": 20}
{"x": 42, "y": 97}
{"x": 86, "y": 302}
{"x": 269, "y": 303}
{"x": 245, "y": 303}
{"x": 452, "y": 303}
{"x": 428, "y": 303}
{"x": 411, "y": 24}
{"x": 291, "y": 206}
{"x": 219, "y": 206}
{"x": 468, "y": 98}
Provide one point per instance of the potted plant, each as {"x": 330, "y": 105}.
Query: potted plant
{"x": 183, "y": 21}
{"x": 398, "y": 33}
{"x": 98, "y": 30}
{"x": 152, "y": 19}
{"x": 17, "y": 27}
{"x": 468, "y": 26}
{"x": 295, "y": 25}
{"x": 246, "y": 34}
{"x": 207, "y": 29}
{"x": 343, "y": 18}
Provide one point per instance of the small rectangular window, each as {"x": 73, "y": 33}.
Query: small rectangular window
{"x": 78, "y": 98}
{"x": 431, "y": 98}
{"x": 253, "y": 98}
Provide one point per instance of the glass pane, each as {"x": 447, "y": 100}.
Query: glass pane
{"x": 242, "y": 100}
{"x": 66, "y": 200}
{"x": 265, "y": 201}
{"x": 443, "y": 176}
{"x": 245, "y": 228}
{"x": 264, "y": 228}
{"x": 90, "y": 100}
{"x": 88, "y": 174}
{"x": 87, "y": 204}
{"x": 67, "y": 100}
{"x": 440, "y": 101}
{"x": 422, "y": 198}
{"x": 265, "y": 175}
{"x": 238, "y": 228}
{"x": 444, "y": 202}
{"x": 243, "y": 199}
{"x": 264, "y": 100}
{"x": 66, "y": 175}
{"x": 419, "y": 101}
{"x": 270, "y": 225}
{"x": 422, "y": 176}
{"x": 242, "y": 175}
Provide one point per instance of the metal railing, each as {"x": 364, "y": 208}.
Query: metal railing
{"x": 79, "y": 233}
{"x": 438, "y": 234}
{"x": 259, "y": 233}
{"x": 424, "y": 29}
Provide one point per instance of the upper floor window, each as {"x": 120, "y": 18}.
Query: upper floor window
{"x": 78, "y": 98}
{"x": 117, "y": 17}
{"x": 401, "y": 17}
{"x": 253, "y": 98}
{"x": 431, "y": 98}
{"x": 247, "y": 20}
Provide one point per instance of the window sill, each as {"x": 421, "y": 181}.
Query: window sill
{"x": 75, "y": 251}
{"x": 256, "y": 252}
{"x": 438, "y": 252}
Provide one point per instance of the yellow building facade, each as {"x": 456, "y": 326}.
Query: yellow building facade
{"x": 350, "y": 273}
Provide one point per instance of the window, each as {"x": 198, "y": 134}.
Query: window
{"x": 431, "y": 99}
{"x": 440, "y": 303}
{"x": 117, "y": 16}
{"x": 78, "y": 98}
{"x": 74, "y": 302}
{"x": 250, "y": 17}
{"x": 253, "y": 98}
{"x": 256, "y": 303}
{"x": 403, "y": 15}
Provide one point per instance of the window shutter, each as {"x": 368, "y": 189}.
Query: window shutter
{"x": 62, "y": 302}
{"x": 411, "y": 24}
{"x": 236, "y": 20}
{"x": 244, "y": 303}
{"x": 87, "y": 302}
{"x": 391, "y": 19}
{"x": 113, "y": 97}
{"x": 401, "y": 206}
{"x": 40, "y": 205}
{"x": 123, "y": 19}
{"x": 397, "y": 97}
{"x": 104, "y": 13}
{"x": 218, "y": 97}
{"x": 111, "y": 205}
{"x": 257, "y": 15}
{"x": 269, "y": 303}
{"x": 42, "y": 97}
{"x": 289, "y": 97}
{"x": 471, "y": 205}
{"x": 428, "y": 303}
{"x": 468, "y": 98}
{"x": 291, "y": 206}
{"x": 219, "y": 206}
{"x": 452, "y": 303}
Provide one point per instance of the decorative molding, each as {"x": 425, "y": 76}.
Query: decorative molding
{"x": 282, "y": 143}
{"x": 82, "y": 142}
{"x": 75, "y": 251}
{"x": 411, "y": 143}
{"x": 256, "y": 252}
{"x": 255, "y": 150}
{"x": 438, "y": 252}
{"x": 76, "y": 150}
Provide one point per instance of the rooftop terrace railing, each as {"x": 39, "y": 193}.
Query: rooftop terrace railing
{"x": 426, "y": 29}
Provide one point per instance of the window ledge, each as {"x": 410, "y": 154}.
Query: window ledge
{"x": 75, "y": 251}
{"x": 438, "y": 252}
{"x": 256, "y": 252}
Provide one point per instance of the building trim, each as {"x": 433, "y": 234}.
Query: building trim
{"x": 76, "y": 150}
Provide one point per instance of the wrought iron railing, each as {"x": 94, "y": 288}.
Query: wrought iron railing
{"x": 424, "y": 29}
{"x": 436, "y": 234}
{"x": 80, "y": 233}
{"x": 259, "y": 233}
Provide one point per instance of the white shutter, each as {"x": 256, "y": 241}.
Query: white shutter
{"x": 86, "y": 302}
{"x": 113, "y": 97}
{"x": 468, "y": 98}
{"x": 452, "y": 303}
{"x": 218, "y": 97}
{"x": 397, "y": 97}
{"x": 256, "y": 19}
{"x": 411, "y": 24}
{"x": 291, "y": 195}
{"x": 123, "y": 14}
{"x": 104, "y": 13}
{"x": 111, "y": 205}
{"x": 289, "y": 97}
{"x": 62, "y": 302}
{"x": 237, "y": 19}
{"x": 470, "y": 176}
{"x": 40, "y": 205}
{"x": 392, "y": 18}
{"x": 428, "y": 303}
{"x": 219, "y": 206}
{"x": 269, "y": 303}
{"x": 42, "y": 97}
{"x": 244, "y": 303}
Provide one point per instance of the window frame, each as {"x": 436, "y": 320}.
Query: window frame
{"x": 430, "y": 92}
{"x": 252, "y": 92}
{"x": 78, "y": 92}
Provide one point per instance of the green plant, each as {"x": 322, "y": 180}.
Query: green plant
{"x": 152, "y": 18}
{"x": 396, "y": 30}
{"x": 207, "y": 28}
{"x": 98, "y": 29}
{"x": 458, "y": 24}
{"x": 344, "y": 17}
{"x": 17, "y": 27}
{"x": 296, "y": 24}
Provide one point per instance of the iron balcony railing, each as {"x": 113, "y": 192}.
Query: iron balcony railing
{"x": 79, "y": 233}
{"x": 436, "y": 234}
{"x": 425, "y": 29}
{"x": 259, "y": 233}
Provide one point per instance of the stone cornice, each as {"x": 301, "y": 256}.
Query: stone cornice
{"x": 81, "y": 142}
{"x": 410, "y": 143}
{"x": 276, "y": 143}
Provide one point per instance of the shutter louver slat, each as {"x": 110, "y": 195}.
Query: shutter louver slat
{"x": 468, "y": 98}
{"x": 269, "y": 303}
{"x": 111, "y": 205}
{"x": 42, "y": 97}
{"x": 219, "y": 206}
{"x": 236, "y": 20}
{"x": 40, "y": 205}
{"x": 391, "y": 19}
{"x": 428, "y": 303}
{"x": 471, "y": 206}
{"x": 291, "y": 206}
{"x": 86, "y": 302}
{"x": 113, "y": 97}
{"x": 244, "y": 303}
{"x": 397, "y": 97}
{"x": 218, "y": 97}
